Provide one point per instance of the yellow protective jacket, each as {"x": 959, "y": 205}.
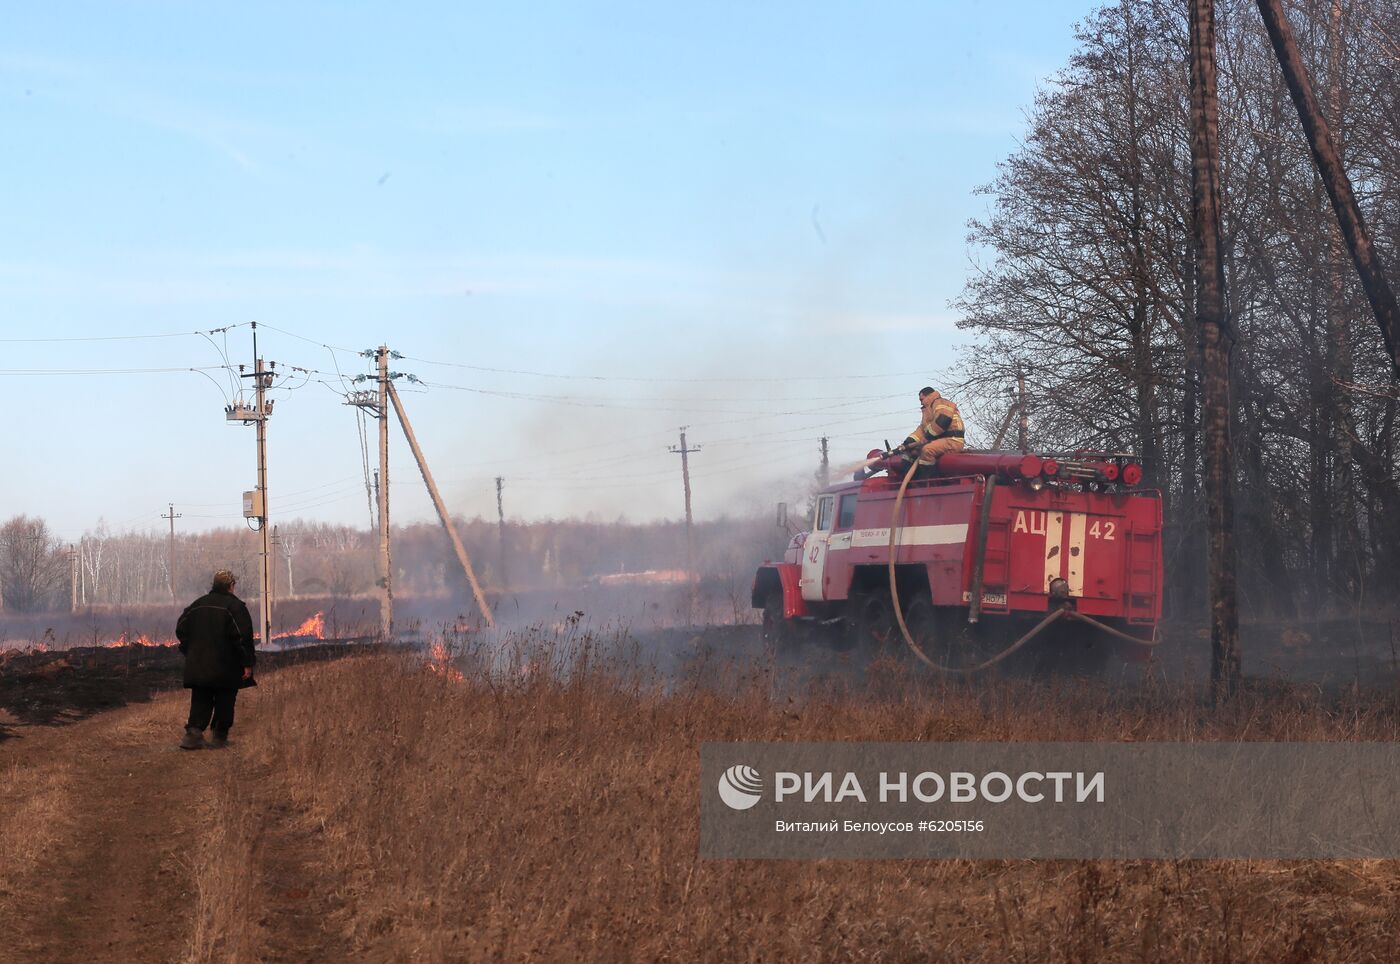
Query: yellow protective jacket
{"x": 940, "y": 431}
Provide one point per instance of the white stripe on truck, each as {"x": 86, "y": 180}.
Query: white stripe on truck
{"x": 1075, "y": 576}
{"x": 944, "y": 535}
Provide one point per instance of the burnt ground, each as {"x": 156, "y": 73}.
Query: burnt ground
{"x": 45, "y": 688}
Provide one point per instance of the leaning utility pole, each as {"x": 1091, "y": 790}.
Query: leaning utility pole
{"x": 501, "y": 530}
{"x": 443, "y": 515}
{"x": 1334, "y": 178}
{"x": 684, "y": 451}
{"x": 170, "y": 561}
{"x": 1216, "y": 343}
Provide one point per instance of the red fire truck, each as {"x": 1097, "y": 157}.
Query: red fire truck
{"x": 992, "y": 547}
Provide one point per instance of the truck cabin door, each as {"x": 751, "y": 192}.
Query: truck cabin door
{"x": 814, "y": 552}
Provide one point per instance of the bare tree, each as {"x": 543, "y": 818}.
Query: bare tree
{"x": 33, "y": 564}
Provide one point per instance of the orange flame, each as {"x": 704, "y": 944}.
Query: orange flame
{"x": 314, "y": 627}
{"x": 141, "y": 640}
{"x": 440, "y": 663}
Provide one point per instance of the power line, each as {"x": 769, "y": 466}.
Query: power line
{"x": 663, "y": 379}
{"x": 603, "y": 399}
{"x": 312, "y": 341}
{"x": 108, "y": 371}
{"x": 74, "y": 338}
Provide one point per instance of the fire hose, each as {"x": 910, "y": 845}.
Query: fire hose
{"x": 1061, "y": 612}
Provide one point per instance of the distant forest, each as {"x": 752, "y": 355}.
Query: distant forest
{"x": 317, "y": 559}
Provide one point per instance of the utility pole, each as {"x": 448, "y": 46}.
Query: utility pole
{"x": 1023, "y": 436}
{"x": 684, "y": 451}
{"x": 377, "y": 404}
{"x": 264, "y": 568}
{"x": 170, "y": 562}
{"x": 1217, "y": 341}
{"x": 1334, "y": 178}
{"x": 272, "y": 569}
{"x": 824, "y": 475}
{"x": 255, "y": 503}
{"x": 443, "y": 515}
{"x": 501, "y": 530}
{"x": 386, "y": 569}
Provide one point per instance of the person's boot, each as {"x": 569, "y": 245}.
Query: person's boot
{"x": 219, "y": 740}
{"x": 194, "y": 739}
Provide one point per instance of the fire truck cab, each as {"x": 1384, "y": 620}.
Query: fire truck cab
{"x": 983, "y": 551}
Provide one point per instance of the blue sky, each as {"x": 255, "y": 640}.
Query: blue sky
{"x": 748, "y": 218}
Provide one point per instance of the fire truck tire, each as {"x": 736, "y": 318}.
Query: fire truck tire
{"x": 779, "y": 634}
{"x": 952, "y": 642}
{"x": 870, "y": 625}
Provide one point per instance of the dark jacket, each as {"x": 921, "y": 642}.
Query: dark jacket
{"x": 216, "y": 636}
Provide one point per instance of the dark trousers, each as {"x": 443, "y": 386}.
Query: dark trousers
{"x": 206, "y": 702}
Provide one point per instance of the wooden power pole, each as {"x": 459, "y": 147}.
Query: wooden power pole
{"x": 824, "y": 476}
{"x": 170, "y": 559}
{"x": 255, "y": 503}
{"x": 272, "y": 566}
{"x": 501, "y": 530}
{"x": 443, "y": 515}
{"x": 684, "y": 452}
{"x": 1334, "y": 177}
{"x": 386, "y": 569}
{"x": 1023, "y": 434}
{"x": 1216, "y": 344}
{"x": 377, "y": 404}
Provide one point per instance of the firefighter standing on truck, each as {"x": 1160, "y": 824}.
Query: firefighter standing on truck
{"x": 940, "y": 430}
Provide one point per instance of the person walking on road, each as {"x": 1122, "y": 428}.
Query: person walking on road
{"x": 216, "y": 638}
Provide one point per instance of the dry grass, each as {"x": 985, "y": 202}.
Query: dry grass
{"x": 34, "y": 810}
{"x": 225, "y": 877}
{"x": 545, "y": 806}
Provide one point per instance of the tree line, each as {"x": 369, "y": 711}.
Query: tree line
{"x": 1085, "y": 279}
{"x": 37, "y": 571}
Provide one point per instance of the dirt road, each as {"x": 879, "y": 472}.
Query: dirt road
{"x": 106, "y": 828}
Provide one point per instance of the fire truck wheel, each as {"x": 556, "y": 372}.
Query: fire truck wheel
{"x": 870, "y": 625}
{"x": 778, "y": 633}
{"x": 948, "y": 639}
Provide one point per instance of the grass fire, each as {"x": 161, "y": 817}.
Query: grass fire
{"x": 673, "y": 482}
